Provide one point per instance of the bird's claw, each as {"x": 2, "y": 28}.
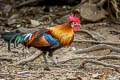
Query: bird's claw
{"x": 57, "y": 65}
{"x": 46, "y": 67}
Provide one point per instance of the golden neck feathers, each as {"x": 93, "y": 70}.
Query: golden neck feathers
{"x": 64, "y": 33}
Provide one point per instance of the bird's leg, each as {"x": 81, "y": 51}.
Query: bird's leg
{"x": 45, "y": 60}
{"x": 52, "y": 59}
{"x": 25, "y": 51}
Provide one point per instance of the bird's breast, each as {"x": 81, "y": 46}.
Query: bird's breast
{"x": 65, "y": 36}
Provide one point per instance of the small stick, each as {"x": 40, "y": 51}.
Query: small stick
{"x": 113, "y": 57}
{"x": 99, "y": 42}
{"x": 26, "y": 3}
{"x": 6, "y": 59}
{"x": 86, "y": 57}
{"x": 116, "y": 67}
{"x": 90, "y": 34}
{"x": 100, "y": 3}
{"x": 28, "y": 59}
{"x": 97, "y": 47}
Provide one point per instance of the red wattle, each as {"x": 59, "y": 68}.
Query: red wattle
{"x": 76, "y": 28}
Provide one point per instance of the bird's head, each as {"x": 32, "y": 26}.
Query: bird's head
{"x": 74, "y": 21}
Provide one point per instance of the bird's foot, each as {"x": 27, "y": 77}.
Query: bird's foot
{"x": 56, "y": 65}
{"x": 46, "y": 67}
{"x": 54, "y": 62}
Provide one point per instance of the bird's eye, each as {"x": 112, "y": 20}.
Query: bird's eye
{"x": 73, "y": 22}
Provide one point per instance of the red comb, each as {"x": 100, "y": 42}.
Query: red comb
{"x": 76, "y": 15}
{"x": 74, "y": 18}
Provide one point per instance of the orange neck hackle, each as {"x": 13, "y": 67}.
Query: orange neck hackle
{"x": 64, "y": 33}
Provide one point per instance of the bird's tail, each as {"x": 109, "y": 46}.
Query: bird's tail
{"x": 1, "y": 35}
{"x": 12, "y": 37}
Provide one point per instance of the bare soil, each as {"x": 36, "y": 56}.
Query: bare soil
{"x": 67, "y": 71}
{"x": 70, "y": 70}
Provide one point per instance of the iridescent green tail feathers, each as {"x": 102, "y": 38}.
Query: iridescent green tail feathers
{"x": 12, "y": 37}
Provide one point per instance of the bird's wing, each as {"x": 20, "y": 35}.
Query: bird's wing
{"x": 42, "y": 38}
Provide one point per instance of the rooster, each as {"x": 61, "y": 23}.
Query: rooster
{"x": 46, "y": 40}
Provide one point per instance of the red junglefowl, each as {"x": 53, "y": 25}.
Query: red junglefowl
{"x": 46, "y": 40}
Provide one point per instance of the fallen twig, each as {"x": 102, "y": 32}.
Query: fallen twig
{"x": 97, "y": 47}
{"x": 101, "y": 3}
{"x": 3, "y": 19}
{"x": 116, "y": 67}
{"x": 28, "y": 59}
{"x": 115, "y": 57}
{"x": 114, "y": 3}
{"x": 86, "y": 57}
{"x": 26, "y": 3}
{"x": 115, "y": 31}
{"x": 88, "y": 60}
{"x": 90, "y": 34}
{"x": 99, "y": 42}
{"x": 6, "y": 59}
{"x": 85, "y": 31}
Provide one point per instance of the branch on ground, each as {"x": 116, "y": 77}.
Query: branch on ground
{"x": 101, "y": 3}
{"x": 86, "y": 57}
{"x": 28, "y": 59}
{"x": 91, "y": 34}
{"x": 99, "y": 42}
{"x": 97, "y": 61}
{"x": 116, "y": 67}
{"x": 7, "y": 59}
{"x": 26, "y": 3}
{"x": 97, "y": 47}
{"x": 99, "y": 58}
{"x": 113, "y": 57}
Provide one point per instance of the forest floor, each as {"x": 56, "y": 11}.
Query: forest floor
{"x": 24, "y": 17}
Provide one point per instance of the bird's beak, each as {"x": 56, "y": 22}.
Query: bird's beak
{"x": 79, "y": 25}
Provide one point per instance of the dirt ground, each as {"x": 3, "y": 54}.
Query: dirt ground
{"x": 67, "y": 71}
